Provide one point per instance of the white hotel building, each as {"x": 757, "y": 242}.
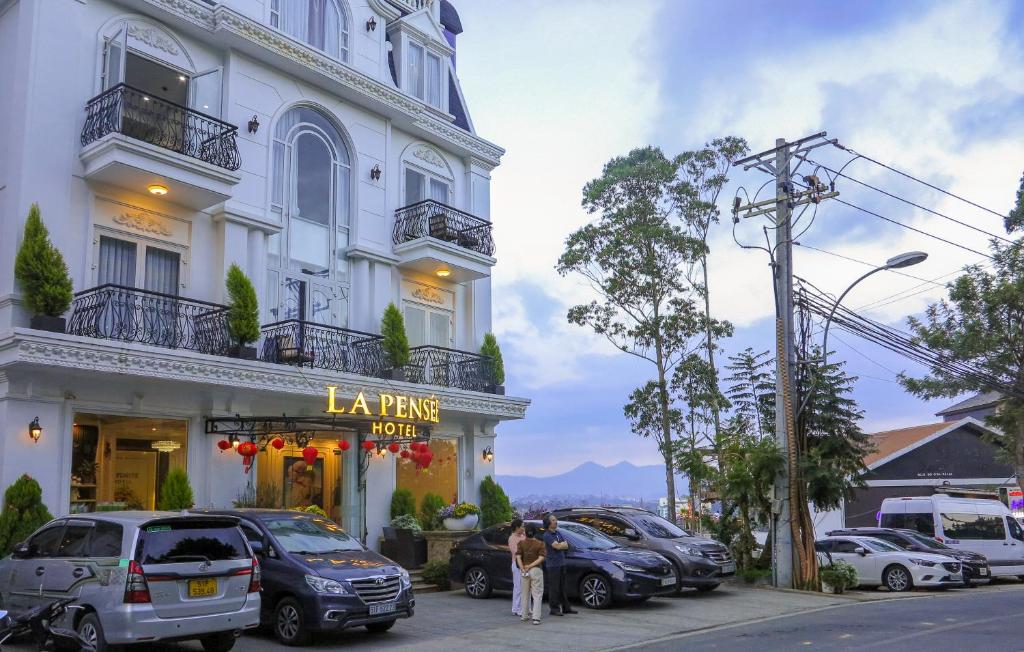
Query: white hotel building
{"x": 325, "y": 146}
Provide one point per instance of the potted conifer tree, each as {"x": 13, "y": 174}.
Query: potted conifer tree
{"x": 491, "y": 349}
{"x": 43, "y": 276}
{"x": 396, "y": 343}
{"x": 243, "y": 314}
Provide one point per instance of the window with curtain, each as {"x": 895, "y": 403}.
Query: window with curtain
{"x": 420, "y": 186}
{"x": 428, "y": 327}
{"x": 322, "y": 24}
{"x": 425, "y": 74}
{"x": 117, "y": 262}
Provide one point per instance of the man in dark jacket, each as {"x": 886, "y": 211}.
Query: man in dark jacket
{"x": 554, "y": 562}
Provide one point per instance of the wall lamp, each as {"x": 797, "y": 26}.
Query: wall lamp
{"x": 35, "y": 431}
{"x": 254, "y": 124}
{"x": 488, "y": 454}
{"x": 375, "y": 172}
{"x": 371, "y": 24}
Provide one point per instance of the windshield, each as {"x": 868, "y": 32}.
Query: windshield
{"x": 928, "y": 542}
{"x": 304, "y": 535}
{"x": 881, "y": 546}
{"x": 585, "y": 538}
{"x": 187, "y": 540}
{"x": 658, "y": 527}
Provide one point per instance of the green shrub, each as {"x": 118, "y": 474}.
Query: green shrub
{"x": 491, "y": 349}
{"x": 396, "y": 343}
{"x": 839, "y": 574}
{"x": 406, "y": 522}
{"x": 495, "y": 506}
{"x": 751, "y": 575}
{"x": 436, "y": 572}
{"x": 312, "y": 509}
{"x": 176, "y": 493}
{"x": 23, "y": 513}
{"x": 431, "y": 505}
{"x": 402, "y": 503}
{"x": 243, "y": 315}
{"x": 40, "y": 270}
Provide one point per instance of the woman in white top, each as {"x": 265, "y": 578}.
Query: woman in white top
{"x": 518, "y": 534}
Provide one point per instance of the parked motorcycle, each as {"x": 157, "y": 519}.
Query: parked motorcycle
{"x": 39, "y": 623}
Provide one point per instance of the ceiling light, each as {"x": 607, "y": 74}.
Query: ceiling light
{"x": 165, "y": 446}
{"x": 182, "y": 78}
{"x": 444, "y": 272}
{"x": 156, "y": 189}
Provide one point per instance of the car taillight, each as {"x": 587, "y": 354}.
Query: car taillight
{"x": 254, "y": 581}
{"x": 136, "y": 590}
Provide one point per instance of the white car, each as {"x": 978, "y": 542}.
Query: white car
{"x": 880, "y": 563}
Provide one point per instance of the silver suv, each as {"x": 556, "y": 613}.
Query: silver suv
{"x": 140, "y": 577}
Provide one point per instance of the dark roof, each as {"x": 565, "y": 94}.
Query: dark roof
{"x": 455, "y": 105}
{"x": 450, "y": 18}
{"x": 976, "y": 402}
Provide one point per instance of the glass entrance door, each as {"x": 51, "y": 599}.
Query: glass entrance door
{"x": 286, "y": 481}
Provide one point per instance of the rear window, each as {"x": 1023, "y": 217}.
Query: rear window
{"x": 106, "y": 540}
{"x": 174, "y": 543}
{"x": 922, "y": 523}
{"x": 985, "y": 527}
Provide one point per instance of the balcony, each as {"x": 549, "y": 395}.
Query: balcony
{"x": 325, "y": 347}
{"x": 436, "y": 365}
{"x": 430, "y": 236}
{"x": 114, "y": 312}
{"x": 134, "y": 140}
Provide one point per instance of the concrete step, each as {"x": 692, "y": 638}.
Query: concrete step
{"x": 422, "y": 587}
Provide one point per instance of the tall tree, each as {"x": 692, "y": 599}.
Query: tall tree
{"x": 982, "y": 324}
{"x": 752, "y": 390}
{"x": 632, "y": 255}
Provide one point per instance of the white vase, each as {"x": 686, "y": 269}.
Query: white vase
{"x": 467, "y": 522}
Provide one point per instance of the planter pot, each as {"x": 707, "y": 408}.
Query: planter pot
{"x": 47, "y": 323}
{"x": 465, "y": 523}
{"x": 828, "y": 588}
{"x": 498, "y": 389}
{"x": 243, "y": 352}
{"x": 398, "y": 374}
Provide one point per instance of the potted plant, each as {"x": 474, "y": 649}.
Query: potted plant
{"x": 491, "y": 349}
{"x": 23, "y": 513}
{"x": 243, "y": 314}
{"x": 458, "y": 517}
{"x": 396, "y": 343}
{"x": 43, "y": 276}
{"x": 429, "y": 509}
{"x": 176, "y": 492}
{"x": 837, "y": 577}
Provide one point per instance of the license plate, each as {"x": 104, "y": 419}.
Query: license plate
{"x": 202, "y": 588}
{"x": 668, "y": 581}
{"x": 382, "y": 608}
{"x": 982, "y": 572}
{"x": 729, "y": 567}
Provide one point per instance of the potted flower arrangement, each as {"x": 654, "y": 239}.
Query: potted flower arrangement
{"x": 837, "y": 577}
{"x": 461, "y": 516}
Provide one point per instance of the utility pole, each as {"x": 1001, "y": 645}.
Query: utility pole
{"x": 778, "y": 162}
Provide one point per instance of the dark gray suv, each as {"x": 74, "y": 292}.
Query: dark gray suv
{"x": 699, "y": 562}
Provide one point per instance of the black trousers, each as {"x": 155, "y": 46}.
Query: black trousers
{"x": 555, "y": 581}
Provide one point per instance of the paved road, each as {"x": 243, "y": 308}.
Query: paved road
{"x": 979, "y": 619}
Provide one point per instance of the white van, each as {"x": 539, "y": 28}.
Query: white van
{"x": 978, "y": 525}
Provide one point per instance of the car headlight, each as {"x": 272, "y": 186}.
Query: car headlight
{"x": 693, "y": 551}
{"x": 921, "y": 562}
{"x": 406, "y": 580}
{"x": 324, "y": 585}
{"x": 629, "y": 568}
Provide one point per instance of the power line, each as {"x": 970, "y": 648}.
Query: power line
{"x": 911, "y": 228}
{"x": 874, "y": 362}
{"x": 864, "y": 262}
{"x": 925, "y": 183}
{"x": 840, "y": 173}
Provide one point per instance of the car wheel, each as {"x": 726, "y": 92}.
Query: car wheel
{"x": 381, "y": 627}
{"x": 478, "y": 583}
{"x": 706, "y": 588}
{"x": 595, "y": 592}
{"x": 91, "y": 631}
{"x": 679, "y": 579}
{"x": 219, "y": 642}
{"x": 966, "y": 577}
{"x": 896, "y": 578}
{"x": 288, "y": 624}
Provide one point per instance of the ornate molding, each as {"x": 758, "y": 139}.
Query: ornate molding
{"x": 101, "y": 356}
{"x": 154, "y": 38}
{"x": 430, "y": 295}
{"x": 428, "y": 155}
{"x": 142, "y": 222}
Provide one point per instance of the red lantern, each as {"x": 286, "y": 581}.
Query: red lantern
{"x": 405, "y": 455}
{"x": 425, "y": 458}
{"x": 394, "y": 447}
{"x": 277, "y": 443}
{"x": 224, "y": 444}
{"x": 343, "y": 445}
{"x": 368, "y": 446}
{"x": 310, "y": 454}
{"x": 247, "y": 449}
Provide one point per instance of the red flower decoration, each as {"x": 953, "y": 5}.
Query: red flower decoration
{"x": 277, "y": 443}
{"x": 344, "y": 445}
{"x": 310, "y": 454}
{"x": 223, "y": 444}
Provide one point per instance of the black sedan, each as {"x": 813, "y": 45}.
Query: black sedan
{"x": 598, "y": 570}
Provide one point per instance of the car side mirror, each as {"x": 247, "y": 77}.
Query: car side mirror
{"x": 860, "y": 551}
{"x": 631, "y": 534}
{"x": 21, "y": 551}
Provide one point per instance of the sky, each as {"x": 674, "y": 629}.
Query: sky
{"x": 936, "y": 89}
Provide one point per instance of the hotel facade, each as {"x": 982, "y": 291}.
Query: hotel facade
{"x": 323, "y": 146}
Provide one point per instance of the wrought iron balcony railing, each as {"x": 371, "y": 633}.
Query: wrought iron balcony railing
{"x": 127, "y": 110}
{"x": 436, "y": 365}
{"x": 115, "y": 312}
{"x": 430, "y": 218}
{"x": 325, "y": 347}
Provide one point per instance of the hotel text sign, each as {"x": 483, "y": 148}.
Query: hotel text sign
{"x": 397, "y": 414}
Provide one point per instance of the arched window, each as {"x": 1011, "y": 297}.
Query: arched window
{"x": 322, "y": 24}
{"x": 311, "y": 191}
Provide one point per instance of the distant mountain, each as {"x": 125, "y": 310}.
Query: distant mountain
{"x": 623, "y": 480}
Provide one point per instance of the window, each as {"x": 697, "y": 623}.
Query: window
{"x": 159, "y": 269}
{"x": 75, "y": 540}
{"x": 311, "y": 535}
{"x": 498, "y": 536}
{"x": 985, "y": 527}
{"x": 611, "y": 526}
{"x": 169, "y": 543}
{"x": 441, "y": 477}
{"x": 252, "y": 535}
{"x": 420, "y": 186}
{"x": 424, "y": 75}
{"x": 922, "y": 523}
{"x": 881, "y": 546}
{"x": 1015, "y": 529}
{"x": 311, "y": 196}
{"x": 658, "y": 527}
{"x": 46, "y": 543}
{"x": 322, "y": 24}
{"x": 585, "y": 538}
{"x": 428, "y": 326}
{"x": 845, "y": 546}
{"x": 106, "y": 540}
{"x": 894, "y": 539}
